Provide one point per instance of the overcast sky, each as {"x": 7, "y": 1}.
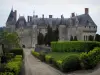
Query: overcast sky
{"x": 46, "y": 7}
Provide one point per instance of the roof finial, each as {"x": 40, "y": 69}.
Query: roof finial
{"x": 34, "y": 12}
{"x": 12, "y": 8}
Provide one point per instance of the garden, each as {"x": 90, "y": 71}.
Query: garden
{"x": 71, "y": 56}
{"x": 11, "y": 54}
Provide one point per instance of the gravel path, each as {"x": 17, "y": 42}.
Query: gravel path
{"x": 34, "y": 66}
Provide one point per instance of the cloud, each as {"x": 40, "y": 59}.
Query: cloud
{"x": 46, "y": 7}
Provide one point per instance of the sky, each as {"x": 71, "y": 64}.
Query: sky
{"x": 50, "y": 7}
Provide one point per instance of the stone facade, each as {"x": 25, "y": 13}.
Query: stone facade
{"x": 81, "y": 26}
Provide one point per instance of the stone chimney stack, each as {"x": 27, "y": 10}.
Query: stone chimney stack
{"x": 42, "y": 15}
{"x": 73, "y": 14}
{"x": 28, "y": 18}
{"x": 50, "y": 16}
{"x": 86, "y": 10}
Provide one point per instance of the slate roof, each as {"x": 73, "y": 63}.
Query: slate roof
{"x": 11, "y": 19}
{"x": 83, "y": 19}
{"x": 21, "y": 18}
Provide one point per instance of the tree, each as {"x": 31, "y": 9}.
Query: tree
{"x": 71, "y": 38}
{"x": 57, "y": 34}
{"x": 40, "y": 39}
{"x": 9, "y": 40}
{"x": 97, "y": 37}
{"x": 75, "y": 38}
{"x": 91, "y": 38}
{"x": 49, "y": 35}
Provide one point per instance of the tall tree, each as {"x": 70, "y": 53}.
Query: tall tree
{"x": 40, "y": 39}
{"x": 71, "y": 38}
{"x": 75, "y": 38}
{"x": 91, "y": 38}
{"x": 97, "y": 37}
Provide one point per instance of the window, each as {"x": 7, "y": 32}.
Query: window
{"x": 85, "y": 26}
{"x": 94, "y": 27}
{"x": 89, "y": 27}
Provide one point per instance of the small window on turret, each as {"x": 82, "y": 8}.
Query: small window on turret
{"x": 85, "y": 26}
{"x": 94, "y": 27}
{"x": 89, "y": 27}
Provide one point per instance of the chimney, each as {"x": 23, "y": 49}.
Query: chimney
{"x": 43, "y": 16}
{"x": 50, "y": 16}
{"x": 28, "y": 18}
{"x": 36, "y": 16}
{"x": 86, "y": 10}
{"x": 73, "y": 14}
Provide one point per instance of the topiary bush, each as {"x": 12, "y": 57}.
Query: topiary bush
{"x": 70, "y": 63}
{"x": 14, "y": 65}
{"x": 6, "y": 73}
{"x": 42, "y": 57}
{"x": 74, "y": 46}
{"x": 17, "y": 51}
{"x": 91, "y": 59}
{"x": 36, "y": 54}
{"x": 48, "y": 59}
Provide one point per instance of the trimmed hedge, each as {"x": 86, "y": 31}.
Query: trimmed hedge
{"x": 17, "y": 51}
{"x": 14, "y": 65}
{"x": 41, "y": 56}
{"x": 6, "y": 73}
{"x": 71, "y": 63}
{"x": 74, "y": 46}
{"x": 36, "y": 54}
{"x": 48, "y": 59}
{"x": 91, "y": 59}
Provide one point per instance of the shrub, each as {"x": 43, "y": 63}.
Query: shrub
{"x": 42, "y": 57}
{"x": 59, "y": 64}
{"x": 48, "y": 59}
{"x": 6, "y": 73}
{"x": 14, "y": 65}
{"x": 90, "y": 59}
{"x": 74, "y": 46}
{"x": 36, "y": 54}
{"x": 17, "y": 51}
{"x": 70, "y": 63}
{"x": 9, "y": 55}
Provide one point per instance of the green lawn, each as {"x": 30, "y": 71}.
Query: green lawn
{"x": 62, "y": 55}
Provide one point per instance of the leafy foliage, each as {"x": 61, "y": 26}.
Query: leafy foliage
{"x": 91, "y": 38}
{"x": 6, "y": 73}
{"x": 71, "y": 63}
{"x": 17, "y": 51}
{"x": 97, "y": 37}
{"x": 90, "y": 59}
{"x": 74, "y": 46}
{"x": 40, "y": 38}
{"x": 36, "y": 54}
{"x": 14, "y": 65}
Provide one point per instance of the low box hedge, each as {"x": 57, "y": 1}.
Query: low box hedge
{"x": 14, "y": 65}
{"x": 36, "y": 54}
{"x": 91, "y": 59}
{"x": 17, "y": 51}
{"x": 70, "y": 63}
{"x": 6, "y": 73}
{"x": 74, "y": 46}
{"x": 48, "y": 59}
